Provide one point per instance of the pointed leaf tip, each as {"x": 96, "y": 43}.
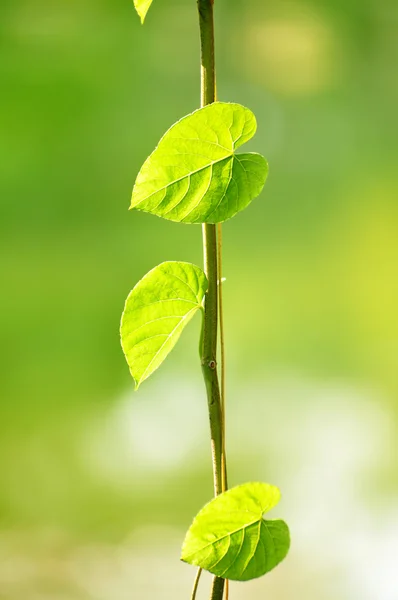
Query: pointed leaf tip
{"x": 142, "y": 7}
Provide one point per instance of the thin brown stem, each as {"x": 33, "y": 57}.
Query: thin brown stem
{"x": 224, "y": 480}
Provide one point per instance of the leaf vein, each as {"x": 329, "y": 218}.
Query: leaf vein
{"x": 243, "y": 528}
{"x": 165, "y": 342}
{"x": 211, "y": 163}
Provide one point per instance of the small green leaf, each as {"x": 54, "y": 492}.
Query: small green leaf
{"x": 155, "y": 313}
{"x": 229, "y": 537}
{"x": 142, "y": 7}
{"x": 194, "y": 175}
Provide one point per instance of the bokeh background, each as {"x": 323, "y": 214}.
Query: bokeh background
{"x": 97, "y": 483}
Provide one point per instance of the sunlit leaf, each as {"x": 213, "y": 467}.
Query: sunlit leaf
{"x": 230, "y": 538}
{"x": 156, "y": 312}
{"x": 142, "y": 7}
{"x": 194, "y": 175}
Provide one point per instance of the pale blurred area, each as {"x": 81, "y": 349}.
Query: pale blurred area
{"x": 97, "y": 483}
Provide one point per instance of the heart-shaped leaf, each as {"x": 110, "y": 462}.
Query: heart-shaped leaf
{"x": 142, "y": 7}
{"x": 230, "y": 538}
{"x": 194, "y": 175}
{"x": 156, "y": 312}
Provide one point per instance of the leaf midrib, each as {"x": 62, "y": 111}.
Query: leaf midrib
{"x": 226, "y": 535}
{"x": 165, "y": 342}
{"x": 231, "y": 155}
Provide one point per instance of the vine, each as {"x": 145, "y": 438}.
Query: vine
{"x": 195, "y": 176}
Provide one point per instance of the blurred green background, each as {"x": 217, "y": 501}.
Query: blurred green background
{"x": 98, "y": 484}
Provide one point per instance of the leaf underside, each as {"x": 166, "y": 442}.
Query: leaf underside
{"x": 142, "y": 7}
{"x": 156, "y": 312}
{"x": 230, "y": 538}
{"x": 194, "y": 175}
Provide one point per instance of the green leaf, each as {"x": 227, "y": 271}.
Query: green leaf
{"x": 142, "y": 7}
{"x": 194, "y": 175}
{"x": 230, "y": 538}
{"x": 156, "y": 312}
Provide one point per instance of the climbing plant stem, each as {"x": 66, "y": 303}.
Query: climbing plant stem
{"x": 196, "y": 583}
{"x": 224, "y": 479}
{"x": 210, "y": 320}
